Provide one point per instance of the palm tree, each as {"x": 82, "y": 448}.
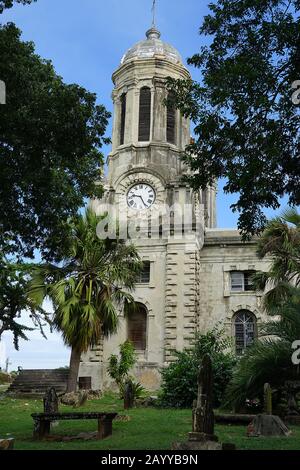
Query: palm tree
{"x": 87, "y": 289}
{"x": 269, "y": 358}
{"x": 281, "y": 242}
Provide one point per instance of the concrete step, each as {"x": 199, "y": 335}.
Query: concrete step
{"x": 36, "y": 382}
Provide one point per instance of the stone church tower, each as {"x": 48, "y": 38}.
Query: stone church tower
{"x": 189, "y": 265}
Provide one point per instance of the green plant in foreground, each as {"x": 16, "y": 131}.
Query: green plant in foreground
{"x": 269, "y": 359}
{"x": 179, "y": 379}
{"x": 119, "y": 367}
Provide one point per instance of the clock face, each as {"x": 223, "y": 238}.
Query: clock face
{"x": 141, "y": 196}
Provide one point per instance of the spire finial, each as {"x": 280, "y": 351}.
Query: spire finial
{"x": 154, "y": 14}
{"x": 153, "y": 32}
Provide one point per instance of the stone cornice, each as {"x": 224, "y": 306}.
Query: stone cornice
{"x": 150, "y": 64}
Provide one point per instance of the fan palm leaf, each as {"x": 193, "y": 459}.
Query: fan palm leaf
{"x": 90, "y": 287}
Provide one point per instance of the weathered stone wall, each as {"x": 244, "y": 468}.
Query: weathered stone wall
{"x": 224, "y": 252}
{"x": 189, "y": 287}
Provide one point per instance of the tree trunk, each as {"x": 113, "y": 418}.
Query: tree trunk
{"x": 74, "y": 369}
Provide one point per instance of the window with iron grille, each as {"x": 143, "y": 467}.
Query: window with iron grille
{"x": 241, "y": 281}
{"x": 144, "y": 277}
{"x": 137, "y": 328}
{"x": 145, "y": 115}
{"x": 171, "y": 120}
{"x": 244, "y": 330}
{"x": 123, "y": 118}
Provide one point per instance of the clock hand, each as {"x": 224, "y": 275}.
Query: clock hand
{"x": 141, "y": 199}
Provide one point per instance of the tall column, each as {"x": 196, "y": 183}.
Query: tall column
{"x": 116, "y": 122}
{"x": 159, "y": 112}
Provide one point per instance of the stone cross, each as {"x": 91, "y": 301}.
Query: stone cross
{"x": 203, "y": 415}
{"x": 267, "y": 399}
{"x": 51, "y": 401}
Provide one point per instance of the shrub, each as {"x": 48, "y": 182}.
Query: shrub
{"x": 119, "y": 367}
{"x": 5, "y": 378}
{"x": 179, "y": 379}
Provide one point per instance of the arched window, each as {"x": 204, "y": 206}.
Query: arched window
{"x": 145, "y": 115}
{"x": 123, "y": 118}
{"x": 137, "y": 328}
{"x": 171, "y": 119}
{"x": 244, "y": 330}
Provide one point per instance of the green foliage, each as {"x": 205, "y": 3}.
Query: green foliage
{"x": 119, "y": 367}
{"x": 247, "y": 125}
{"x": 281, "y": 242}
{"x": 14, "y": 282}
{"x": 90, "y": 284}
{"x": 5, "y": 378}
{"x": 89, "y": 287}
{"x": 51, "y": 136}
{"x": 269, "y": 359}
{"x": 179, "y": 379}
{"x": 138, "y": 389}
{"x": 5, "y": 4}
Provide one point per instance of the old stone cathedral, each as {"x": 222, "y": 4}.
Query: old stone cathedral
{"x": 195, "y": 275}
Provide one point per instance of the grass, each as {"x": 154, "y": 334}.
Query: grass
{"x": 148, "y": 429}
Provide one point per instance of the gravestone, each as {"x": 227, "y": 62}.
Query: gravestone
{"x": 267, "y": 399}
{"x": 267, "y": 424}
{"x": 51, "y": 401}
{"x": 203, "y": 414}
{"x": 202, "y": 436}
{"x": 128, "y": 395}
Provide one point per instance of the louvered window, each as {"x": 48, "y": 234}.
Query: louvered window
{"x": 241, "y": 281}
{"x": 137, "y": 328}
{"x": 171, "y": 120}
{"x": 123, "y": 118}
{"x": 245, "y": 330}
{"x": 144, "y": 277}
{"x": 145, "y": 115}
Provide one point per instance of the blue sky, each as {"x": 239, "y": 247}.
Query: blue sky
{"x": 86, "y": 39}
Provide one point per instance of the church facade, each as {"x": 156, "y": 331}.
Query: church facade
{"x": 195, "y": 275}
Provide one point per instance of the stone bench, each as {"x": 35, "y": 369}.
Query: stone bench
{"x": 42, "y": 422}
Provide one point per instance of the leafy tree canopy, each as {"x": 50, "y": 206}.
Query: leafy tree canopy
{"x": 5, "y": 4}
{"x": 247, "y": 124}
{"x": 50, "y": 139}
{"x": 14, "y": 283}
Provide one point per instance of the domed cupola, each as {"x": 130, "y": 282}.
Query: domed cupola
{"x": 148, "y": 132}
{"x": 152, "y": 47}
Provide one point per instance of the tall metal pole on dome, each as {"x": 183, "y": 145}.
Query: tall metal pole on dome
{"x": 154, "y": 13}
